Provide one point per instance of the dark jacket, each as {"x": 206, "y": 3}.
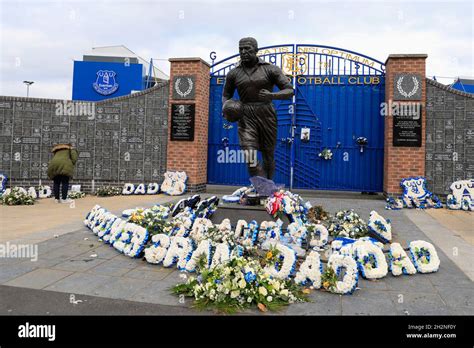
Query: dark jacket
{"x": 63, "y": 161}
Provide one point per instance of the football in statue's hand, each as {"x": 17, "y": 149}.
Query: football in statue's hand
{"x": 232, "y": 110}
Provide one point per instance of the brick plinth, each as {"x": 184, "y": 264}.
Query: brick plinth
{"x": 191, "y": 156}
{"x": 402, "y": 162}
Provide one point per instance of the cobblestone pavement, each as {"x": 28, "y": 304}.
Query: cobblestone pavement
{"x": 117, "y": 284}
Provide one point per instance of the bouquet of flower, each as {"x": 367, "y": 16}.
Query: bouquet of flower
{"x": 317, "y": 214}
{"x": 106, "y": 191}
{"x": 347, "y": 223}
{"x": 239, "y": 284}
{"x": 76, "y": 195}
{"x": 285, "y": 202}
{"x": 17, "y": 196}
{"x": 153, "y": 219}
{"x": 326, "y": 154}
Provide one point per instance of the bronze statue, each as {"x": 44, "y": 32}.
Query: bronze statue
{"x": 256, "y": 115}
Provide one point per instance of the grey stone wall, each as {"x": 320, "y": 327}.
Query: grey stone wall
{"x": 449, "y": 136}
{"x": 124, "y": 141}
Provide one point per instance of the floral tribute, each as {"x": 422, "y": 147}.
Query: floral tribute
{"x": 380, "y": 227}
{"x": 174, "y": 183}
{"x": 17, "y": 196}
{"x": 415, "y": 195}
{"x": 347, "y": 223}
{"x": 264, "y": 265}
{"x": 3, "y": 183}
{"x": 326, "y": 154}
{"x": 141, "y": 189}
{"x": 462, "y": 196}
{"x": 107, "y": 191}
{"x": 44, "y": 191}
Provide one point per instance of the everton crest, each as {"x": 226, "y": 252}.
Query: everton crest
{"x": 105, "y": 83}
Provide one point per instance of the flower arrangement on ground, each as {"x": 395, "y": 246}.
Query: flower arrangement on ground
{"x": 347, "y": 223}
{"x": 238, "y": 284}
{"x": 106, "y": 191}
{"x": 76, "y": 195}
{"x": 17, "y": 196}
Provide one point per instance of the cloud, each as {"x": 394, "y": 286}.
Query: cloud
{"x": 40, "y": 39}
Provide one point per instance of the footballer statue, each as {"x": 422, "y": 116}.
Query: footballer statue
{"x": 254, "y": 80}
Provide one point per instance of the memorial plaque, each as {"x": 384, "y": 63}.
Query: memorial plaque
{"x": 407, "y": 129}
{"x": 408, "y": 87}
{"x": 182, "y": 122}
{"x": 184, "y": 87}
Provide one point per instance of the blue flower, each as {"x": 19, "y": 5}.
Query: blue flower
{"x": 250, "y": 277}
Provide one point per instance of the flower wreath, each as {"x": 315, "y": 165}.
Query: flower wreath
{"x": 399, "y": 262}
{"x": 157, "y": 251}
{"x": 351, "y": 277}
{"x": 222, "y": 254}
{"x": 128, "y": 189}
{"x": 203, "y": 248}
{"x": 318, "y": 234}
{"x": 380, "y": 227}
{"x": 153, "y": 188}
{"x": 270, "y": 231}
{"x": 179, "y": 252}
{"x": 310, "y": 271}
{"x": 32, "y": 192}
{"x": 105, "y": 228}
{"x": 199, "y": 229}
{"x": 102, "y": 222}
{"x": 370, "y": 260}
{"x": 424, "y": 256}
{"x": 140, "y": 190}
{"x": 3, "y": 183}
{"x": 44, "y": 191}
{"x": 298, "y": 233}
{"x": 174, "y": 183}
{"x": 285, "y": 266}
{"x": 137, "y": 243}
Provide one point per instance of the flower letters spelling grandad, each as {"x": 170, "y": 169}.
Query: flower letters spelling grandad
{"x": 351, "y": 256}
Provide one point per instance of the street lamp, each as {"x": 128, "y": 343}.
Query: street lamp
{"x": 28, "y": 84}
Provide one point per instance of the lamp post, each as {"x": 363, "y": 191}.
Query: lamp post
{"x": 28, "y": 84}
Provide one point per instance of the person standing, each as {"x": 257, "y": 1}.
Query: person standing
{"x": 61, "y": 170}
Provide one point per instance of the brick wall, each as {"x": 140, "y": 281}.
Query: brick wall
{"x": 191, "y": 156}
{"x": 124, "y": 141}
{"x": 402, "y": 162}
{"x": 449, "y": 136}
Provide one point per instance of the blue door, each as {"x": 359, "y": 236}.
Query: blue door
{"x": 336, "y": 105}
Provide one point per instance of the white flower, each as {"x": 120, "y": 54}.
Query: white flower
{"x": 284, "y": 292}
{"x": 262, "y": 291}
{"x": 249, "y": 299}
{"x": 242, "y": 283}
{"x": 269, "y": 299}
{"x": 234, "y": 293}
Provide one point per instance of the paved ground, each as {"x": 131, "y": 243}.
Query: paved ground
{"x": 111, "y": 283}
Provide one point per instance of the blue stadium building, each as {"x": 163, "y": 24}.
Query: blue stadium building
{"x": 112, "y": 71}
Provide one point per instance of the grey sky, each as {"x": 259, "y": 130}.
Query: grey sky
{"x": 40, "y": 39}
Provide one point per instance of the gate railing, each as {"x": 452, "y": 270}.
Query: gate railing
{"x": 308, "y": 60}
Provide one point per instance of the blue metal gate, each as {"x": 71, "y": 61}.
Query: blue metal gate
{"x": 337, "y": 99}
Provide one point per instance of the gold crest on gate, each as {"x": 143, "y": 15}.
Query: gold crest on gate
{"x": 295, "y": 64}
